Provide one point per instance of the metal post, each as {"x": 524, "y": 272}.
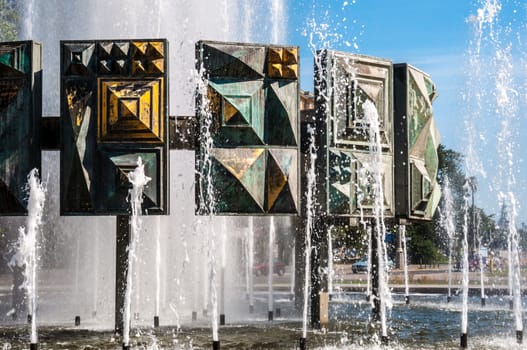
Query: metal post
{"x": 300, "y": 267}
{"x": 319, "y": 281}
{"x": 315, "y": 281}
{"x": 123, "y": 237}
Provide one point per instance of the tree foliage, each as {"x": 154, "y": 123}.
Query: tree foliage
{"x": 8, "y": 21}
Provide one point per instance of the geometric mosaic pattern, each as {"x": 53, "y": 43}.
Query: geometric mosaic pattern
{"x": 349, "y": 181}
{"x": 418, "y": 192}
{"x": 350, "y": 82}
{"x": 113, "y": 110}
{"x": 20, "y": 113}
{"x": 252, "y": 96}
{"x": 131, "y": 110}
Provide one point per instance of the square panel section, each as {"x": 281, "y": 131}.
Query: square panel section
{"x": 416, "y": 141}
{"x": 249, "y": 129}
{"x": 20, "y": 117}
{"x": 113, "y": 110}
{"x": 354, "y": 107}
{"x": 131, "y": 110}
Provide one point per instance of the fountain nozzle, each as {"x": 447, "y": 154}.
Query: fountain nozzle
{"x": 464, "y": 341}
{"x": 33, "y": 346}
{"x": 519, "y": 337}
{"x": 302, "y": 343}
{"x": 384, "y": 340}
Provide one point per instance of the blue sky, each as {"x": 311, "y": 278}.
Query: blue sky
{"x": 433, "y": 36}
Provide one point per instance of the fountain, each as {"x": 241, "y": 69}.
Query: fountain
{"x": 138, "y": 179}
{"x": 449, "y": 223}
{"x": 27, "y": 250}
{"x": 189, "y": 274}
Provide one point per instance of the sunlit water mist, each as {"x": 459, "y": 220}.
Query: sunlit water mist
{"x": 402, "y": 232}
{"x": 139, "y": 180}
{"x": 310, "y": 207}
{"x": 158, "y": 267}
{"x": 371, "y": 117}
{"x": 270, "y": 265}
{"x": 27, "y": 249}
{"x": 207, "y": 195}
{"x": 493, "y": 70}
{"x": 448, "y": 222}
{"x": 464, "y": 310}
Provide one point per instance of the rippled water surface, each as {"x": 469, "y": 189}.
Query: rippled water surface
{"x": 427, "y": 323}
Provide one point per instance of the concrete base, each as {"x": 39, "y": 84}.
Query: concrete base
{"x": 324, "y": 309}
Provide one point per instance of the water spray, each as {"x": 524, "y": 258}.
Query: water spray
{"x": 27, "y": 255}
{"x": 138, "y": 179}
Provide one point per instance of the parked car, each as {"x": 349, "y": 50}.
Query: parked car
{"x": 362, "y": 265}
{"x": 260, "y": 269}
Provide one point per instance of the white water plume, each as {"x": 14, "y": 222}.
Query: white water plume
{"x": 371, "y": 117}
{"x": 27, "y": 249}
{"x": 507, "y": 109}
{"x": 207, "y": 195}
{"x": 464, "y": 302}
{"x": 448, "y": 222}
{"x": 310, "y": 205}
{"x": 402, "y": 232}
{"x": 278, "y": 17}
{"x": 182, "y": 22}
{"x": 270, "y": 265}
{"x": 139, "y": 180}
{"x": 251, "y": 261}
{"x": 158, "y": 265}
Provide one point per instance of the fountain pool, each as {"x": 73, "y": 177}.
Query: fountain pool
{"x": 428, "y": 323}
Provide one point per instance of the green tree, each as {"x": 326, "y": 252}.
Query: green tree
{"x": 8, "y": 21}
{"x": 429, "y": 240}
